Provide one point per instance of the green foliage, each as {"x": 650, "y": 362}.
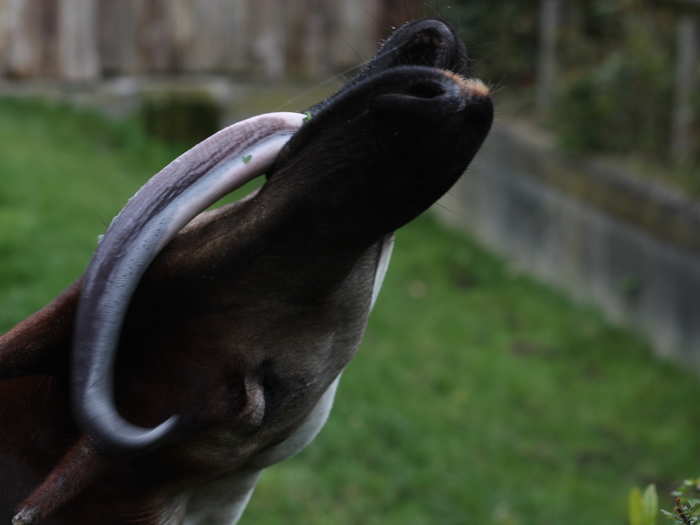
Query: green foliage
{"x": 502, "y": 36}
{"x": 643, "y": 509}
{"x": 623, "y": 102}
{"x": 616, "y": 67}
{"x": 686, "y": 499}
{"x": 64, "y": 173}
{"x": 478, "y": 395}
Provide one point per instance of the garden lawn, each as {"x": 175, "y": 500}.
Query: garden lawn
{"x": 478, "y": 396}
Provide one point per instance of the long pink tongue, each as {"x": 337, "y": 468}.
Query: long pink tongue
{"x": 151, "y": 218}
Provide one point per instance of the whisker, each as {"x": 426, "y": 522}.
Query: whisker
{"x": 343, "y": 75}
{"x": 360, "y": 57}
{"x": 301, "y": 94}
{"x": 496, "y": 88}
{"x": 333, "y": 78}
{"x": 451, "y": 211}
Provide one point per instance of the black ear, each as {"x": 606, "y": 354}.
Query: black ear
{"x": 40, "y": 344}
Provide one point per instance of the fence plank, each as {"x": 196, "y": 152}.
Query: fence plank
{"x": 236, "y": 53}
{"x": 200, "y": 33}
{"x": 5, "y": 29}
{"x": 24, "y": 51}
{"x": 356, "y": 35}
{"x": 268, "y": 36}
{"x": 318, "y": 24}
{"x": 207, "y": 33}
{"x": 118, "y": 41}
{"x": 155, "y": 38}
{"x": 78, "y": 57}
{"x": 326, "y": 37}
{"x": 394, "y": 13}
{"x": 547, "y": 62}
{"x": 297, "y": 25}
{"x": 6, "y": 34}
{"x": 686, "y": 82}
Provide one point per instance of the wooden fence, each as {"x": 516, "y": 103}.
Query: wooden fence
{"x": 85, "y": 40}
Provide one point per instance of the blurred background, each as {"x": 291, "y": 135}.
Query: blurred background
{"x": 535, "y": 350}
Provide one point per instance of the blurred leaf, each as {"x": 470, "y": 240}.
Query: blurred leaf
{"x": 643, "y": 508}
{"x": 650, "y": 506}
{"x": 635, "y": 507}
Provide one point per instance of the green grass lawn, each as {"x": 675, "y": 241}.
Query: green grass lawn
{"x": 478, "y": 396}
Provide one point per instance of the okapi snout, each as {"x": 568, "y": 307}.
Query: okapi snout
{"x": 200, "y": 347}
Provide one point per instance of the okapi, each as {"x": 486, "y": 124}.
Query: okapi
{"x": 196, "y": 351}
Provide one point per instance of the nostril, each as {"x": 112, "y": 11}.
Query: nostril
{"x": 425, "y": 90}
{"x": 431, "y": 100}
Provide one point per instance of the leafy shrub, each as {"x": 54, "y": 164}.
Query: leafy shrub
{"x": 624, "y": 102}
{"x": 502, "y": 35}
{"x": 616, "y": 67}
{"x": 686, "y": 498}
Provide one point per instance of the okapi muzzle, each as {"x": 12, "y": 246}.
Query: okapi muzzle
{"x": 200, "y": 347}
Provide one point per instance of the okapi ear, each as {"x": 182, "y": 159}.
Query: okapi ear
{"x": 40, "y": 344}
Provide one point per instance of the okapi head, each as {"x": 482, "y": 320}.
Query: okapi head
{"x": 200, "y": 345}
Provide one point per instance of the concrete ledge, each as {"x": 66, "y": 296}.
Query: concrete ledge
{"x": 609, "y": 239}
{"x": 662, "y": 212}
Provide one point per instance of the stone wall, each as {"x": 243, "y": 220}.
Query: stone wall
{"x": 621, "y": 243}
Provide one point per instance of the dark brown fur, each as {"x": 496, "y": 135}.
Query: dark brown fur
{"x": 249, "y": 314}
